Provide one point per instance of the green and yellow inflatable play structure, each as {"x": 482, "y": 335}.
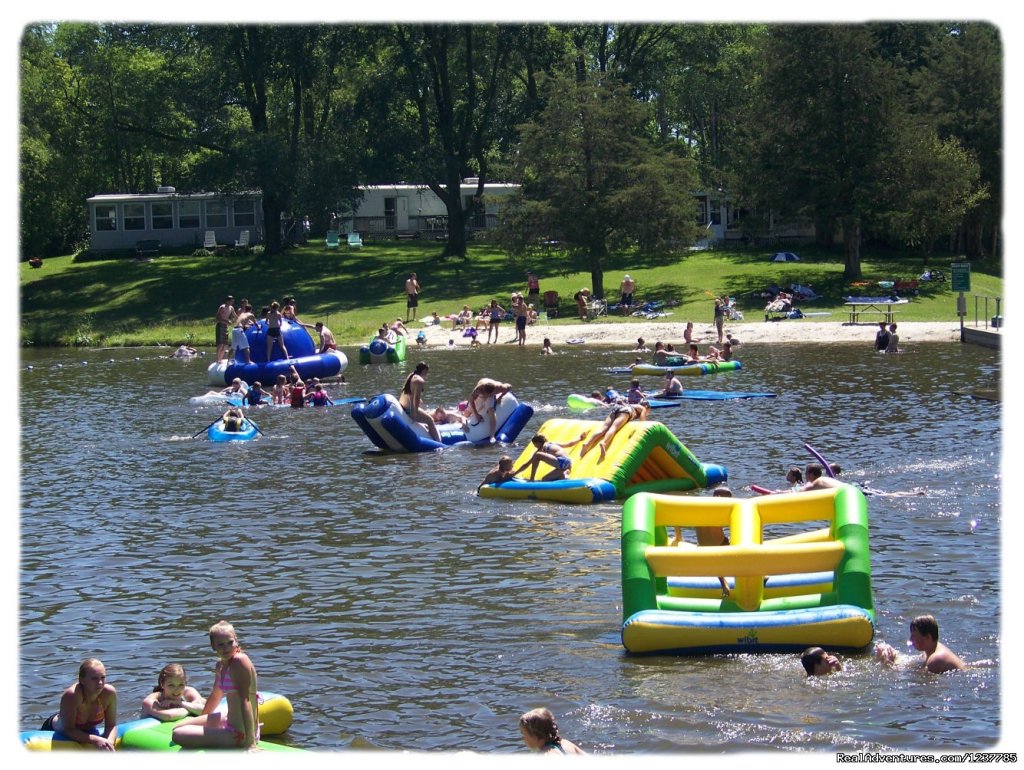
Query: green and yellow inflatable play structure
{"x": 786, "y": 593}
{"x": 644, "y": 456}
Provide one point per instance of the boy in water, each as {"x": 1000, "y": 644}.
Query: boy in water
{"x": 817, "y": 662}
{"x": 924, "y": 636}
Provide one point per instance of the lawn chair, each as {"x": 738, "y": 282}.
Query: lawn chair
{"x": 596, "y": 307}
{"x": 551, "y": 304}
{"x": 332, "y": 239}
{"x": 355, "y": 241}
{"x": 243, "y": 240}
{"x": 147, "y": 249}
{"x": 210, "y": 241}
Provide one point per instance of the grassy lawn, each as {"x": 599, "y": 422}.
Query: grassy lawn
{"x": 172, "y": 299}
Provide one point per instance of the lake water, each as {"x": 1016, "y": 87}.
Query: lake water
{"x": 399, "y": 611}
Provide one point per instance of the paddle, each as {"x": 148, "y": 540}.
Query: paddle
{"x": 207, "y": 427}
{"x": 257, "y": 427}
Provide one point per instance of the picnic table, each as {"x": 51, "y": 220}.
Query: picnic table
{"x": 880, "y": 306}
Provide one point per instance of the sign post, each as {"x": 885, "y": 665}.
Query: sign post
{"x": 961, "y": 282}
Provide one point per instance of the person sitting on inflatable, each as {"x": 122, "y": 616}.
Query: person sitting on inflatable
{"x": 411, "y": 400}
{"x": 484, "y": 400}
{"x": 551, "y": 453}
{"x": 233, "y": 419}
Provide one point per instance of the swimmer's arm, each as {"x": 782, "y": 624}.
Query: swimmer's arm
{"x": 109, "y": 716}
{"x": 242, "y": 676}
{"x": 151, "y": 708}
{"x": 216, "y": 695}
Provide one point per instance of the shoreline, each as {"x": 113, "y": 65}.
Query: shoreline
{"x": 767, "y": 332}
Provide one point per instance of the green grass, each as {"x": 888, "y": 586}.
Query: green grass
{"x": 172, "y": 299}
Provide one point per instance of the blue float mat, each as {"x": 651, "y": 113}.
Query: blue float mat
{"x": 720, "y": 395}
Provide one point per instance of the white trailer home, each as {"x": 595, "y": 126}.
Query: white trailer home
{"x": 176, "y": 220}
{"x": 407, "y": 209}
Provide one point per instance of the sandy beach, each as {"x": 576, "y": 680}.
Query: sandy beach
{"x": 602, "y": 332}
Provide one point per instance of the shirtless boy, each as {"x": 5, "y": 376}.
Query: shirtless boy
{"x": 924, "y": 635}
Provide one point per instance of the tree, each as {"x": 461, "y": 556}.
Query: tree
{"x": 456, "y": 79}
{"x": 820, "y": 132}
{"x": 959, "y": 92}
{"x": 594, "y": 180}
{"x": 940, "y": 185}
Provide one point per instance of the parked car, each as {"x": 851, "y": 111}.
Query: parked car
{"x": 785, "y": 256}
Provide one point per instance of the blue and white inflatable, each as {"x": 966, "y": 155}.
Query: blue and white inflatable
{"x": 301, "y": 354}
{"x": 387, "y": 425}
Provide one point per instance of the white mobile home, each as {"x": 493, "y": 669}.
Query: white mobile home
{"x": 407, "y": 208}
{"x": 177, "y": 220}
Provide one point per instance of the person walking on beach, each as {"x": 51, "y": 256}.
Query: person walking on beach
{"x": 412, "y": 294}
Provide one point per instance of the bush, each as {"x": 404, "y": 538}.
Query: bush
{"x": 202, "y": 253}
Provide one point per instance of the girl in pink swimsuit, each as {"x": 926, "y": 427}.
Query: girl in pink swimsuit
{"x": 235, "y": 680}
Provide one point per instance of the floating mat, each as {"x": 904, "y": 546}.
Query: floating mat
{"x": 577, "y": 401}
{"x": 718, "y": 395}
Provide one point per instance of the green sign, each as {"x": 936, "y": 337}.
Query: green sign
{"x": 961, "y": 280}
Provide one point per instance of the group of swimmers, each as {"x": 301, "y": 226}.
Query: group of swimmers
{"x": 937, "y": 658}
{"x": 91, "y": 701}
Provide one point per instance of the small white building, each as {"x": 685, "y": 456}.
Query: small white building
{"x": 408, "y": 208}
{"x": 177, "y": 220}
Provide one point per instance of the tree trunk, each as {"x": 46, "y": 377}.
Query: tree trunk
{"x": 851, "y": 244}
{"x": 271, "y": 223}
{"x": 597, "y": 254}
{"x": 456, "y": 245}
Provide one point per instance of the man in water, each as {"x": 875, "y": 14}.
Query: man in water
{"x": 326, "y": 338}
{"x": 816, "y": 479}
{"x": 924, "y": 636}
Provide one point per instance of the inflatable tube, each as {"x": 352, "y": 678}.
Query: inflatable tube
{"x": 387, "y": 425}
{"x": 248, "y": 432}
{"x": 148, "y": 734}
{"x": 787, "y": 593}
{"x": 825, "y": 466}
{"x": 761, "y": 490}
{"x": 301, "y": 351}
{"x": 691, "y": 370}
{"x": 378, "y": 351}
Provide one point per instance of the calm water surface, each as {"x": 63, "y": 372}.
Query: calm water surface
{"x": 397, "y": 610}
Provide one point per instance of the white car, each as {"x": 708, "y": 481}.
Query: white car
{"x": 785, "y": 256}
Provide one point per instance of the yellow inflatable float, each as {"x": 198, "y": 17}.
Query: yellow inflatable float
{"x": 786, "y": 593}
{"x": 644, "y": 456}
